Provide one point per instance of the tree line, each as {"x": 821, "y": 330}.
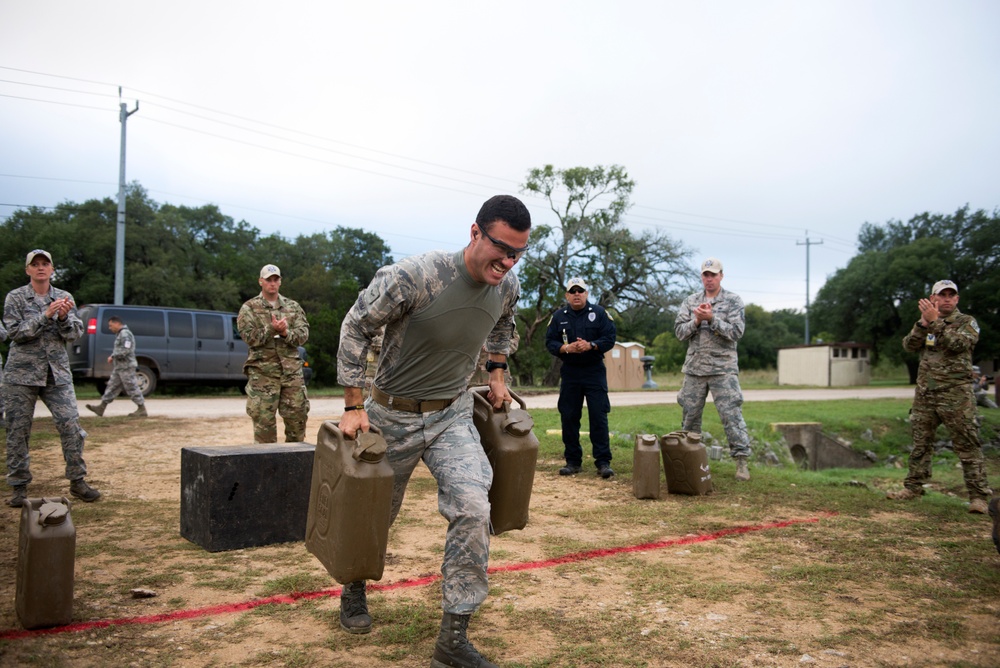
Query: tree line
{"x": 197, "y": 257}
{"x": 874, "y": 298}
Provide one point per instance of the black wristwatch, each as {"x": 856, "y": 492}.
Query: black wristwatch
{"x": 491, "y": 365}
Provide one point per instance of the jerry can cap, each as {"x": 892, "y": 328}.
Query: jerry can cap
{"x": 518, "y": 422}
{"x": 51, "y": 513}
{"x": 370, "y": 447}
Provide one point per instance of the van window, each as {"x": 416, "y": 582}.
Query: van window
{"x": 180, "y": 325}
{"x": 209, "y": 326}
{"x": 142, "y": 323}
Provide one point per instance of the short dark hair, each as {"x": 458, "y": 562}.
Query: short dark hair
{"x": 115, "y": 318}
{"x": 507, "y": 208}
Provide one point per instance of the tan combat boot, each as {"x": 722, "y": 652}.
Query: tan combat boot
{"x": 742, "y": 469}
{"x": 99, "y": 409}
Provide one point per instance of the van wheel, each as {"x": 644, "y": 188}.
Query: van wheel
{"x": 146, "y": 379}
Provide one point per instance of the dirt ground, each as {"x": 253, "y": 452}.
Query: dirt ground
{"x": 704, "y": 599}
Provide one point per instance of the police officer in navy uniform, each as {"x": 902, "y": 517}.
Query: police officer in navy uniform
{"x": 579, "y": 334}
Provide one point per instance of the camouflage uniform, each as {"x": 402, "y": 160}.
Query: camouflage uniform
{"x": 944, "y": 396}
{"x": 274, "y": 368}
{"x": 711, "y": 364}
{"x": 446, "y": 440}
{"x": 38, "y": 367}
{"x": 123, "y": 369}
{"x": 3, "y": 337}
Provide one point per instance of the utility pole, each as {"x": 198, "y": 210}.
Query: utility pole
{"x": 120, "y": 236}
{"x": 807, "y": 244}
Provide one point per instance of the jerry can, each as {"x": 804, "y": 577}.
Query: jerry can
{"x": 646, "y": 467}
{"x": 350, "y": 504}
{"x": 512, "y": 448}
{"x": 45, "y": 557}
{"x": 685, "y": 463}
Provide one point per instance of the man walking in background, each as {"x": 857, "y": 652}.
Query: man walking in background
{"x": 712, "y": 322}
{"x": 944, "y": 338}
{"x": 274, "y": 327}
{"x": 579, "y": 334}
{"x": 41, "y": 320}
{"x": 123, "y": 364}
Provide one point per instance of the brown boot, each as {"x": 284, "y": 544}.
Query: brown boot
{"x": 453, "y": 649}
{"x": 742, "y": 469}
{"x": 978, "y": 507}
{"x": 98, "y": 409}
{"x": 903, "y": 495}
{"x": 18, "y": 496}
{"x": 139, "y": 412}
{"x": 81, "y": 490}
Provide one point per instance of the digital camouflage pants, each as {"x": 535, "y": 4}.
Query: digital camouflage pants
{"x": 123, "y": 379}
{"x": 448, "y": 443}
{"x": 728, "y": 399}
{"x": 19, "y": 405}
{"x": 267, "y": 395}
{"x": 955, "y": 408}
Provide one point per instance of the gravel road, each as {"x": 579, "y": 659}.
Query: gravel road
{"x": 332, "y": 407}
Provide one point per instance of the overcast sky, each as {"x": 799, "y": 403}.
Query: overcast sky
{"x": 744, "y": 124}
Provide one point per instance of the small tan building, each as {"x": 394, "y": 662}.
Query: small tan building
{"x": 625, "y": 367}
{"x": 825, "y": 365}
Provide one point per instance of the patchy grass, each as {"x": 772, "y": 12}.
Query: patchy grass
{"x": 864, "y": 581}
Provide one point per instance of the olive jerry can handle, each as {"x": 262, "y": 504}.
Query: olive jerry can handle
{"x": 479, "y": 394}
{"x": 369, "y": 446}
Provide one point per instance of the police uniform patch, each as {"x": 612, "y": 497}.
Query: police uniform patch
{"x": 591, "y": 316}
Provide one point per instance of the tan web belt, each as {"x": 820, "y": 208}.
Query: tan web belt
{"x": 410, "y": 405}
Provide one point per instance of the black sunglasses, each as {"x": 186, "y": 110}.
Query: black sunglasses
{"x": 575, "y": 290}
{"x": 508, "y": 250}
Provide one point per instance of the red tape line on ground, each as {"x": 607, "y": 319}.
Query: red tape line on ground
{"x": 292, "y": 599}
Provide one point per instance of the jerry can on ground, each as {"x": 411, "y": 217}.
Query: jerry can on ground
{"x": 512, "y": 448}
{"x": 646, "y": 467}
{"x": 45, "y": 557}
{"x": 350, "y": 503}
{"x": 685, "y": 463}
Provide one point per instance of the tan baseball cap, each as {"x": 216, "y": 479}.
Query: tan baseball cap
{"x": 576, "y": 282}
{"x": 713, "y": 265}
{"x": 269, "y": 270}
{"x": 944, "y": 285}
{"x": 35, "y": 253}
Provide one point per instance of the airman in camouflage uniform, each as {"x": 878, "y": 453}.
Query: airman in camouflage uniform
{"x": 3, "y": 337}
{"x": 123, "y": 366}
{"x": 437, "y": 310}
{"x": 944, "y": 337}
{"x": 274, "y": 327}
{"x": 40, "y": 321}
{"x": 712, "y": 322}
